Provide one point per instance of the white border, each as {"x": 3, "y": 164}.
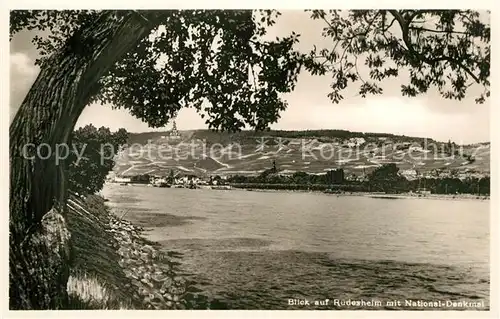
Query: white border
{"x": 254, "y": 4}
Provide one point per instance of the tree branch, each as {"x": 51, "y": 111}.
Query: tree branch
{"x": 405, "y": 27}
{"x": 253, "y": 76}
{"x": 358, "y": 34}
{"x": 329, "y": 24}
{"x": 437, "y": 31}
{"x": 389, "y": 26}
{"x": 357, "y": 71}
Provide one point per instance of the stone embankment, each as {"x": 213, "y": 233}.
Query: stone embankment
{"x": 115, "y": 267}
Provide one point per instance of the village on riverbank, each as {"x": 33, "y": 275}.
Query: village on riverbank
{"x": 447, "y": 189}
{"x": 359, "y": 163}
{"x": 386, "y": 179}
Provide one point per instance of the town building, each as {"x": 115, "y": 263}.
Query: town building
{"x": 122, "y": 179}
{"x": 355, "y": 141}
{"x": 409, "y": 174}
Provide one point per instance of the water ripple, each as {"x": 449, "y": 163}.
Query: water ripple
{"x": 266, "y": 280}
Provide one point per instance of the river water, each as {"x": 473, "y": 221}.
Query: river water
{"x": 258, "y": 250}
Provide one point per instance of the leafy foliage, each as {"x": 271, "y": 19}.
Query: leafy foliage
{"x": 216, "y": 61}
{"x": 86, "y": 175}
{"x": 57, "y": 27}
{"x": 446, "y": 49}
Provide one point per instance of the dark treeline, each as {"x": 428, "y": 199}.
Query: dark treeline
{"x": 298, "y": 134}
{"x": 249, "y": 135}
{"x": 473, "y": 185}
{"x": 379, "y": 181}
{"x": 353, "y": 187}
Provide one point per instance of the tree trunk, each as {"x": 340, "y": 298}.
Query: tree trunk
{"x": 39, "y": 246}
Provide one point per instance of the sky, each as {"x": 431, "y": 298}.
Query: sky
{"x": 309, "y": 107}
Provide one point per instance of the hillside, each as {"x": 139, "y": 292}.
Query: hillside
{"x": 204, "y": 152}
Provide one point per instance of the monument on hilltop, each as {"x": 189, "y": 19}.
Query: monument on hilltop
{"x": 174, "y": 133}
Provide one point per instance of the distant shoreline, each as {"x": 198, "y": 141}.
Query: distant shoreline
{"x": 380, "y": 195}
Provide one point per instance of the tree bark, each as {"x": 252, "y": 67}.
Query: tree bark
{"x": 48, "y": 115}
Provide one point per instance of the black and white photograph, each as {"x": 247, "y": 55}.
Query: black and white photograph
{"x": 250, "y": 159}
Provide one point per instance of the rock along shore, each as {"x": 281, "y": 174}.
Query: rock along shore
{"x": 116, "y": 267}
